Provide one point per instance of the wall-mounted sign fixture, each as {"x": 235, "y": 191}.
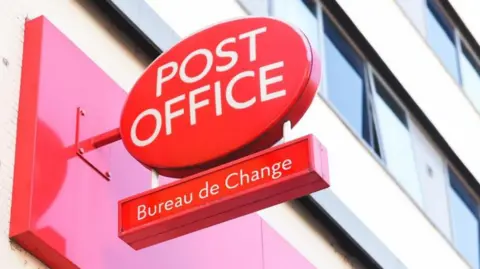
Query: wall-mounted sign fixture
{"x": 218, "y": 95}
{"x": 210, "y": 102}
{"x": 209, "y": 112}
{"x": 225, "y": 192}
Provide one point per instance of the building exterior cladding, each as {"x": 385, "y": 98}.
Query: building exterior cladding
{"x": 398, "y": 111}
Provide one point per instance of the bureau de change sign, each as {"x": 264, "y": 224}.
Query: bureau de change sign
{"x": 208, "y": 111}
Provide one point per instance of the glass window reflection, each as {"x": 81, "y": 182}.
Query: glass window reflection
{"x": 440, "y": 36}
{"x": 396, "y": 141}
{"x": 470, "y": 76}
{"x": 464, "y": 217}
{"x": 346, "y": 87}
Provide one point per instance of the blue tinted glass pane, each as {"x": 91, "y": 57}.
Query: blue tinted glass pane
{"x": 465, "y": 224}
{"x": 344, "y": 71}
{"x": 396, "y": 142}
{"x": 470, "y": 77}
{"x": 440, "y": 37}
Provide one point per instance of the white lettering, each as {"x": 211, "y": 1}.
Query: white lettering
{"x": 194, "y": 106}
{"x": 227, "y": 184}
{"x": 264, "y": 82}
{"x": 218, "y": 99}
{"x": 158, "y": 124}
{"x": 214, "y": 189}
{"x": 273, "y": 172}
{"x": 276, "y": 172}
{"x": 208, "y": 55}
{"x": 253, "y": 41}
{"x": 168, "y": 205}
{"x": 152, "y": 211}
{"x": 229, "y": 91}
{"x": 199, "y": 63}
{"x": 287, "y": 164}
{"x": 161, "y": 79}
{"x": 141, "y": 213}
{"x": 226, "y": 53}
{"x": 168, "y": 113}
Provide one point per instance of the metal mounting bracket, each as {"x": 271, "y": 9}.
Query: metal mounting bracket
{"x": 155, "y": 179}
{"x": 92, "y": 143}
{"x": 287, "y": 130}
{"x": 111, "y": 136}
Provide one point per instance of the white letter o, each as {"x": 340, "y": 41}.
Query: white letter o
{"x": 158, "y": 126}
{"x": 208, "y": 55}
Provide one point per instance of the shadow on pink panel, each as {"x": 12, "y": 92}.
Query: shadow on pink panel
{"x": 278, "y": 254}
{"x": 72, "y": 221}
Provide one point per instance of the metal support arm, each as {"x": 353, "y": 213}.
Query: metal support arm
{"x": 92, "y": 143}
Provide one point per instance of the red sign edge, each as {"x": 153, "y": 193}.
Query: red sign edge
{"x": 318, "y": 164}
{"x": 20, "y": 228}
{"x": 227, "y": 215}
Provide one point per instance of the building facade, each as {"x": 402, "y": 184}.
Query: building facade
{"x": 398, "y": 110}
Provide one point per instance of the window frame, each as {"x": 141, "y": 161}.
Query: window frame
{"x": 369, "y": 75}
{"x": 409, "y": 120}
{"x": 413, "y": 114}
{"x": 466, "y": 190}
{"x": 439, "y": 15}
{"x": 461, "y": 38}
{"x": 365, "y": 78}
{"x": 397, "y": 91}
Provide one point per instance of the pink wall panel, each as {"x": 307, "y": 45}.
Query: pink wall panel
{"x": 66, "y": 213}
{"x": 278, "y": 254}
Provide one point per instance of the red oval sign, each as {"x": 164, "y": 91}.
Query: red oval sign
{"x": 219, "y": 94}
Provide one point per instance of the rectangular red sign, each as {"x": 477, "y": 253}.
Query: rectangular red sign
{"x": 255, "y": 182}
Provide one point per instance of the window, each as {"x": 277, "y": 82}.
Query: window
{"x": 396, "y": 141}
{"x": 346, "y": 84}
{"x": 302, "y": 14}
{"x": 441, "y": 37}
{"x": 470, "y": 75}
{"x": 465, "y": 223}
{"x": 368, "y": 105}
{"x": 460, "y": 206}
{"x": 362, "y": 101}
{"x": 448, "y": 43}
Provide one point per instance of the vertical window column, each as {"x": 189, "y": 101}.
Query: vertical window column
{"x": 396, "y": 140}
{"x": 441, "y": 37}
{"x": 346, "y": 84}
{"x": 465, "y": 223}
{"x": 470, "y": 71}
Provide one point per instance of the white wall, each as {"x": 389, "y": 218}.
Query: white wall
{"x": 189, "y": 16}
{"x": 357, "y": 179}
{"x": 82, "y": 26}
